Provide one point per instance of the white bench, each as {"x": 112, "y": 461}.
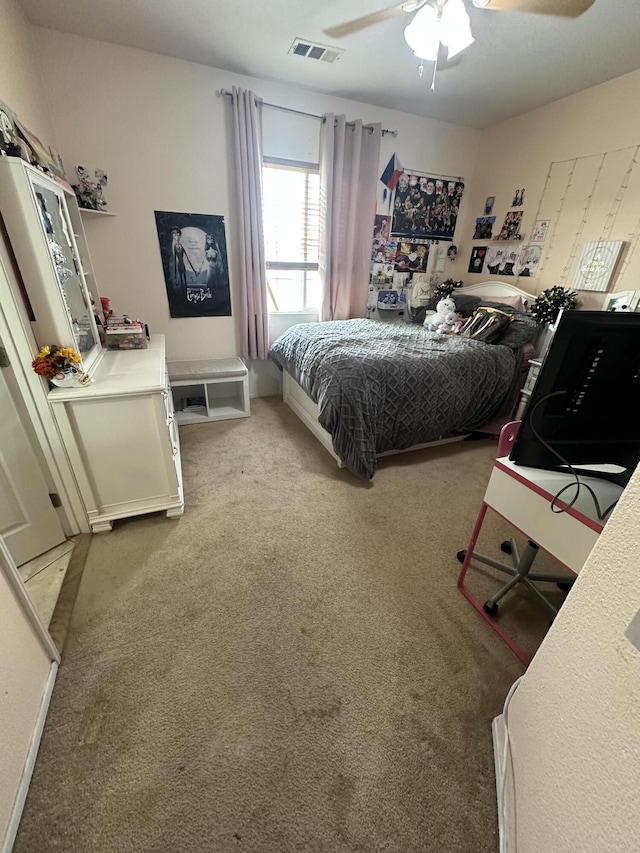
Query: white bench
{"x": 212, "y": 390}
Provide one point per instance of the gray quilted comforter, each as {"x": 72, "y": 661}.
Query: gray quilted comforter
{"x": 387, "y": 387}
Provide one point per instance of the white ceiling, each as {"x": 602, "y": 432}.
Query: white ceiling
{"x": 519, "y": 61}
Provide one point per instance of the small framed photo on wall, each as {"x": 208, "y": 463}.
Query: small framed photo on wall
{"x": 539, "y": 231}
{"x": 476, "y": 261}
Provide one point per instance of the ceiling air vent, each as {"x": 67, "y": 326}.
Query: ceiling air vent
{"x": 311, "y": 50}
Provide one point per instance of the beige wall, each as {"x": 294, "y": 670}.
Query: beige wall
{"x": 156, "y": 126}
{"x": 20, "y": 84}
{"x": 519, "y": 152}
{"x": 575, "y": 721}
{"x": 575, "y": 718}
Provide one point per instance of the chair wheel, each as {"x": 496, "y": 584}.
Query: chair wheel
{"x": 490, "y": 607}
{"x": 461, "y": 555}
{"x": 505, "y": 547}
{"x": 565, "y": 587}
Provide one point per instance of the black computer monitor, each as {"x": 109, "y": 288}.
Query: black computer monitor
{"x": 585, "y": 405}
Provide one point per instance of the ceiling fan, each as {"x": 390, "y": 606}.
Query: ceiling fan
{"x": 559, "y": 8}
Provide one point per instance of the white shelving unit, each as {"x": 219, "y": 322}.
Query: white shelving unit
{"x": 211, "y": 390}
{"x": 43, "y": 222}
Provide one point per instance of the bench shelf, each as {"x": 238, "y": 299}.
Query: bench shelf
{"x": 212, "y": 390}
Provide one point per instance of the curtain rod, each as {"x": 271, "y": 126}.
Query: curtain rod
{"x": 420, "y": 173}
{"x": 228, "y": 94}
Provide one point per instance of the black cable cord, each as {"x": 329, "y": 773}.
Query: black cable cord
{"x": 578, "y": 482}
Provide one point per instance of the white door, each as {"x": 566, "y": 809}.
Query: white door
{"x": 28, "y": 666}
{"x": 28, "y": 522}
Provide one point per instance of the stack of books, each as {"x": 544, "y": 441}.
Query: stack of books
{"x": 122, "y": 333}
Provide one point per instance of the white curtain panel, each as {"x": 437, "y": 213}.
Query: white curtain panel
{"x": 247, "y": 133}
{"x": 349, "y": 166}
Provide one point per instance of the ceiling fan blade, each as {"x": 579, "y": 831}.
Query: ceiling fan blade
{"x": 374, "y": 18}
{"x": 559, "y": 8}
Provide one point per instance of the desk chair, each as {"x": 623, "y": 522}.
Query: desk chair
{"x": 519, "y": 571}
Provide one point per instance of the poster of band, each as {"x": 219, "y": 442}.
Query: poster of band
{"x": 426, "y": 207}
{"x": 194, "y": 260}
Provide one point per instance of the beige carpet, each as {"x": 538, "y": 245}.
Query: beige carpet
{"x": 289, "y": 667}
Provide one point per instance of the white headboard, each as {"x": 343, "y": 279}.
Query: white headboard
{"x": 496, "y": 288}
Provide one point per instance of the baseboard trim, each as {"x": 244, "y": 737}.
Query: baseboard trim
{"x": 25, "y": 780}
{"x": 497, "y": 729}
{"x": 61, "y": 618}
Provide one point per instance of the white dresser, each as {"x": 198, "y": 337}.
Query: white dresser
{"x": 121, "y": 437}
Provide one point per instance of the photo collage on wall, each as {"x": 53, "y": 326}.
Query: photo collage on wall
{"x": 423, "y": 210}
{"x": 512, "y": 259}
{"x": 384, "y": 249}
{"x": 426, "y": 207}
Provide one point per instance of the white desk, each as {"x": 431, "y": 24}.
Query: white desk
{"x": 522, "y": 496}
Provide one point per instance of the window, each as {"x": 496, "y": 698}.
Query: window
{"x": 291, "y": 212}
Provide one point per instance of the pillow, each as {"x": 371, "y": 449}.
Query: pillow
{"x": 523, "y": 330}
{"x": 465, "y": 305}
{"x": 520, "y": 303}
{"x": 466, "y": 302}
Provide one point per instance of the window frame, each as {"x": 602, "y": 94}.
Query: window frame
{"x": 294, "y": 266}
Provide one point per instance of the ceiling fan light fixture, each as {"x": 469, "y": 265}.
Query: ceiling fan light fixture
{"x": 449, "y": 24}
{"x": 458, "y": 46}
{"x": 455, "y": 27}
{"x": 480, "y": 4}
{"x": 423, "y": 34}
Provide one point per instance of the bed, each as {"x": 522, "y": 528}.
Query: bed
{"x": 367, "y": 388}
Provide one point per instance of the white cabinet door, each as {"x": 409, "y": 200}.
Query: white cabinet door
{"x": 35, "y": 210}
{"x": 28, "y": 521}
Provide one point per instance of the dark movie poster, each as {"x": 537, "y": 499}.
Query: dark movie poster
{"x": 426, "y": 208}
{"x": 194, "y": 259}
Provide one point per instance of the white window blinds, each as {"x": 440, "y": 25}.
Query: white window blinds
{"x": 291, "y": 202}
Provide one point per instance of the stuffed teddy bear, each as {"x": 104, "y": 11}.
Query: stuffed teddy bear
{"x": 444, "y": 308}
{"x": 452, "y": 324}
